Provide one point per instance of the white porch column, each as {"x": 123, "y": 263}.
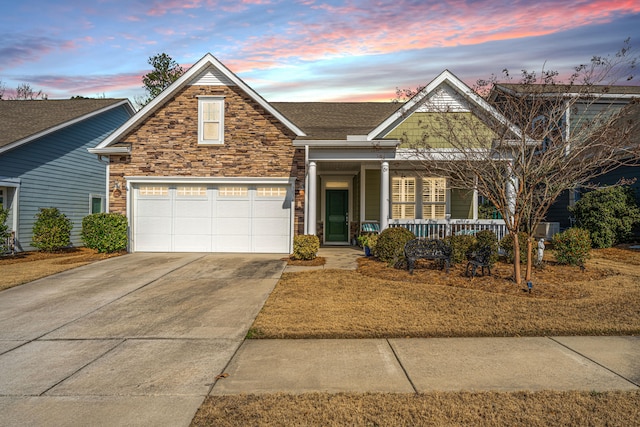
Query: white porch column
{"x": 313, "y": 199}
{"x": 384, "y": 196}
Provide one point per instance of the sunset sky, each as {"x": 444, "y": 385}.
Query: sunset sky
{"x": 304, "y": 50}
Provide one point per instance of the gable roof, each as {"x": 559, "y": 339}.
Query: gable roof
{"x": 336, "y": 120}
{"x": 24, "y": 121}
{"x": 444, "y": 78}
{"x": 208, "y": 64}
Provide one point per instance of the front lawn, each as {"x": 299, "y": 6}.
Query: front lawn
{"x": 378, "y": 301}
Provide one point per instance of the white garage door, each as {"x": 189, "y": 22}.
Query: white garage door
{"x": 212, "y": 218}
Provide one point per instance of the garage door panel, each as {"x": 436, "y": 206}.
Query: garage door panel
{"x": 233, "y": 243}
{"x": 219, "y": 219}
{"x": 233, "y": 226}
{"x": 192, "y": 226}
{"x": 270, "y": 209}
{"x": 270, "y": 226}
{"x": 233, "y": 208}
{"x": 193, "y": 209}
{"x": 153, "y": 207}
{"x": 192, "y": 243}
{"x": 153, "y": 242}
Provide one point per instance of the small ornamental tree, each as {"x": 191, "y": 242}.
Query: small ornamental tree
{"x": 609, "y": 214}
{"x": 52, "y": 230}
{"x": 514, "y": 145}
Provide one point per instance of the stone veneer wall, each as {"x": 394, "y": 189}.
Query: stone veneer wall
{"x": 166, "y": 144}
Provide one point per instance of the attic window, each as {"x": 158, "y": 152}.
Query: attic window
{"x": 210, "y": 120}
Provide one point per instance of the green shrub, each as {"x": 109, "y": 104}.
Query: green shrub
{"x": 488, "y": 238}
{"x": 609, "y": 214}
{"x": 4, "y": 230}
{"x": 52, "y": 230}
{"x": 105, "y": 232}
{"x": 305, "y": 247}
{"x": 507, "y": 244}
{"x": 572, "y": 246}
{"x": 390, "y": 244}
{"x": 461, "y": 244}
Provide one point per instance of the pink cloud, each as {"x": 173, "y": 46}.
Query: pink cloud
{"x": 174, "y": 6}
{"x": 356, "y": 28}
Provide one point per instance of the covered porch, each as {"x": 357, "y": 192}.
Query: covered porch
{"x": 348, "y": 193}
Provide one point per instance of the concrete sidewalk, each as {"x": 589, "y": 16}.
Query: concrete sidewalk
{"x": 436, "y": 364}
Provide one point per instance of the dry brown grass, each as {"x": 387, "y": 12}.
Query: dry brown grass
{"x": 545, "y": 408}
{"x": 379, "y": 301}
{"x": 28, "y": 266}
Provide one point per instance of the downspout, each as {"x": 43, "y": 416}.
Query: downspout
{"x": 106, "y": 162}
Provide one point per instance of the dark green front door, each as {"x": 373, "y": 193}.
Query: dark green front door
{"x": 337, "y": 217}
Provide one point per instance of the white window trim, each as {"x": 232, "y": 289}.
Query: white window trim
{"x": 419, "y": 203}
{"x": 102, "y": 202}
{"x": 201, "y": 101}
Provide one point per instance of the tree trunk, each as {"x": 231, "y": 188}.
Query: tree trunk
{"x": 529, "y": 258}
{"x": 516, "y": 259}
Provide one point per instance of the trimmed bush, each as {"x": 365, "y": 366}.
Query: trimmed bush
{"x": 488, "y": 238}
{"x": 390, "y": 244}
{"x": 461, "y": 244}
{"x": 305, "y": 247}
{"x": 105, "y": 232}
{"x": 609, "y": 214}
{"x": 572, "y": 246}
{"x": 4, "y": 230}
{"x": 52, "y": 230}
{"x": 507, "y": 244}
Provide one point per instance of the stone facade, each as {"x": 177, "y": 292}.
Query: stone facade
{"x": 256, "y": 144}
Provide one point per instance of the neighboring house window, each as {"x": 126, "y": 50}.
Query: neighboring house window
{"x": 1, "y": 198}
{"x": 210, "y": 120}
{"x": 96, "y": 203}
{"x": 403, "y": 200}
{"x": 434, "y": 198}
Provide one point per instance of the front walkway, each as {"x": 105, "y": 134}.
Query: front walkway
{"x": 337, "y": 257}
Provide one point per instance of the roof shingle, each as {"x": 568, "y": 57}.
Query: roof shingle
{"x": 22, "y": 119}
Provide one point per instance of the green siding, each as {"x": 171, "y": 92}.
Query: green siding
{"x": 461, "y": 204}
{"x": 372, "y": 195}
{"x": 442, "y": 130}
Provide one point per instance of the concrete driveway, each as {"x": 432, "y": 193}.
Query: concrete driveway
{"x": 133, "y": 340}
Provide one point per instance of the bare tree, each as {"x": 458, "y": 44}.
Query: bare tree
{"x": 24, "y": 91}
{"x": 2, "y": 88}
{"x": 522, "y": 159}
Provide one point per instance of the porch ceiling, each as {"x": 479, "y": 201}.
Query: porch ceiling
{"x": 335, "y": 167}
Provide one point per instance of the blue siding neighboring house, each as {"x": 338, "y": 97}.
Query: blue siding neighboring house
{"x": 44, "y": 160}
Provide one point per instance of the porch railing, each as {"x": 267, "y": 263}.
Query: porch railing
{"x": 440, "y": 228}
